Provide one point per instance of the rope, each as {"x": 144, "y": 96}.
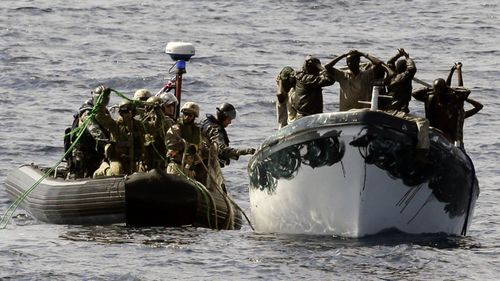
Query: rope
{"x": 206, "y": 195}
{"x": 230, "y": 213}
{"x": 230, "y": 199}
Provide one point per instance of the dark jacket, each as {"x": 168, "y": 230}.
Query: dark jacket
{"x": 215, "y": 132}
{"x": 308, "y": 97}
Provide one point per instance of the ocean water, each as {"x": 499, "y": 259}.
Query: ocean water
{"x": 52, "y": 53}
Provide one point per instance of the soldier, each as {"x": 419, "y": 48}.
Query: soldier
{"x": 183, "y": 141}
{"x": 214, "y": 130}
{"x": 126, "y": 147}
{"x": 156, "y": 125}
{"x": 141, "y": 96}
{"x": 169, "y": 105}
{"x": 88, "y": 153}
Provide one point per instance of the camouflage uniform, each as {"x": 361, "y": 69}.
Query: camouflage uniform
{"x": 126, "y": 147}
{"x": 156, "y": 125}
{"x": 183, "y": 143}
{"x": 89, "y": 151}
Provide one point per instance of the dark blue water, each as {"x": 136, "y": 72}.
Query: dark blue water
{"x": 52, "y": 53}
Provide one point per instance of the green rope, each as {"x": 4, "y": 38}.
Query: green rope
{"x": 79, "y": 132}
{"x": 206, "y": 195}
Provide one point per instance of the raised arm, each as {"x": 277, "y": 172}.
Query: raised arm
{"x": 477, "y": 107}
{"x": 450, "y": 75}
{"x": 371, "y": 58}
{"x": 392, "y": 61}
{"x": 390, "y": 73}
{"x": 421, "y": 94}
{"x": 458, "y": 66}
{"x": 330, "y": 65}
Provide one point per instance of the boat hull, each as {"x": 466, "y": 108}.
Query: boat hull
{"x": 142, "y": 199}
{"x": 354, "y": 174}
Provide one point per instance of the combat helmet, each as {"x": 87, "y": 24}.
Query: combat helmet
{"x": 96, "y": 93}
{"x": 155, "y": 101}
{"x": 168, "y": 98}
{"x": 126, "y": 106}
{"x": 226, "y": 110}
{"x": 191, "y": 107}
{"x": 142, "y": 94}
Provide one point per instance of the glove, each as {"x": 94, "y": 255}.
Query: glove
{"x": 246, "y": 151}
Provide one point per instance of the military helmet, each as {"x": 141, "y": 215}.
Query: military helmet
{"x": 168, "y": 98}
{"x": 101, "y": 89}
{"x": 154, "y": 101}
{"x": 142, "y": 94}
{"x": 191, "y": 107}
{"x": 127, "y": 105}
{"x": 226, "y": 110}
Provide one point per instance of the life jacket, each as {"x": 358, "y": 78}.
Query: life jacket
{"x": 211, "y": 121}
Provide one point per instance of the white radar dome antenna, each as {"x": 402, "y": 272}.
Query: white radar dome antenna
{"x": 180, "y": 52}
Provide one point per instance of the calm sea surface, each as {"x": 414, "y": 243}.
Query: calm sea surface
{"x": 52, "y": 53}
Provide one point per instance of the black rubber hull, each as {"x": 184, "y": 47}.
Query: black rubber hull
{"x": 143, "y": 199}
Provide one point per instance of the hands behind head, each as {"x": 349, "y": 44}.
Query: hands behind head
{"x": 458, "y": 65}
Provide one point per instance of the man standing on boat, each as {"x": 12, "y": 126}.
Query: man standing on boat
{"x": 214, "y": 129}
{"x": 444, "y": 106}
{"x": 307, "y": 99}
{"x": 355, "y": 82}
{"x": 399, "y": 82}
{"x": 463, "y": 114}
{"x": 285, "y": 82}
{"x": 399, "y": 89}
